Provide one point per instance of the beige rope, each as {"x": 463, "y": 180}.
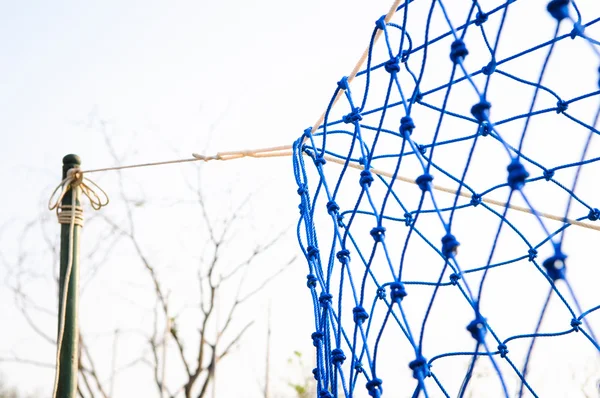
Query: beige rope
{"x": 71, "y": 215}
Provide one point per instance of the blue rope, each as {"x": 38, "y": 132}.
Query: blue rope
{"x": 360, "y": 291}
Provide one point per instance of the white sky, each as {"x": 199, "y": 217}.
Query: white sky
{"x": 172, "y": 79}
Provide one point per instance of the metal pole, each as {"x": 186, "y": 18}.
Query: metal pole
{"x": 69, "y": 352}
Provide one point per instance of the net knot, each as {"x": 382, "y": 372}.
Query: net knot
{"x": 332, "y": 207}
{"x": 316, "y": 338}
{"x": 406, "y": 126}
{"x": 319, "y": 161}
{"x": 380, "y": 293}
{"x": 484, "y": 129}
{"x": 358, "y": 366}
{"x": 366, "y": 178}
{"x": 420, "y": 367}
{"x": 477, "y": 328}
{"x": 576, "y": 324}
{"x": 302, "y": 189}
{"x": 422, "y": 149}
{"x": 458, "y": 51}
{"x": 454, "y": 278}
{"x": 337, "y": 356}
{"x": 548, "y": 174}
{"x": 489, "y": 68}
{"x": 378, "y": 233}
{"x": 312, "y": 252}
{"x": 561, "y": 106}
{"x": 516, "y": 175}
{"x": 392, "y": 65}
{"x": 380, "y": 23}
{"x": 594, "y": 215}
{"x": 481, "y": 111}
{"x": 360, "y": 315}
{"x": 325, "y": 394}
{"x": 343, "y": 83}
{"x": 480, "y": 18}
{"x": 307, "y": 132}
{"x": 344, "y": 256}
{"x": 398, "y": 292}
{"x": 503, "y": 350}
{"x": 532, "y": 254}
{"x": 316, "y": 374}
{"x": 577, "y": 30}
{"x": 449, "y": 245}
{"x": 311, "y": 281}
{"x": 476, "y": 199}
{"x": 374, "y": 387}
{"x": 352, "y": 117}
{"x": 408, "y": 219}
{"x": 325, "y": 299}
{"x": 559, "y": 9}
{"x": 555, "y": 265}
{"x": 424, "y": 181}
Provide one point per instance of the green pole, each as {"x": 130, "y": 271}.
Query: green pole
{"x": 69, "y": 351}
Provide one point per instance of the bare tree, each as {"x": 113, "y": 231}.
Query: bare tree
{"x": 194, "y": 350}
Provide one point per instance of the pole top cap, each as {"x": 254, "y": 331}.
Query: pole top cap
{"x": 72, "y": 160}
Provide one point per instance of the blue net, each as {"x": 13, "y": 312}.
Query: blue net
{"x": 447, "y": 206}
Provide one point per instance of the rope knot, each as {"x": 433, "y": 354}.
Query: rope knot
{"x": 516, "y": 175}
{"x": 481, "y": 111}
{"x": 561, "y": 106}
{"x": 449, "y": 245}
{"x": 422, "y": 149}
{"x": 476, "y": 199}
{"x": 366, "y": 179}
{"x": 555, "y": 265}
{"x": 307, "y": 132}
{"x": 503, "y": 350}
{"x": 424, "y": 181}
{"x": 480, "y": 18}
{"x": 454, "y": 278}
{"x": 325, "y": 299}
{"x": 374, "y": 387}
{"x": 576, "y": 324}
{"x": 316, "y": 338}
{"x": 76, "y": 184}
{"x": 594, "y": 215}
{"x": 392, "y": 65}
{"x": 360, "y": 315}
{"x": 343, "y": 83}
{"x": 380, "y": 293}
{"x": 378, "y": 233}
{"x": 477, "y": 328}
{"x": 406, "y": 126}
{"x": 352, "y": 117}
{"x": 358, "y": 366}
{"x": 420, "y": 368}
{"x": 332, "y": 207}
{"x": 548, "y": 174}
{"x": 398, "y": 292}
{"x": 311, "y": 281}
{"x": 532, "y": 254}
{"x": 458, "y": 51}
{"x": 559, "y": 9}
{"x": 337, "y": 356}
{"x": 344, "y": 256}
{"x": 489, "y": 68}
{"x": 408, "y": 219}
